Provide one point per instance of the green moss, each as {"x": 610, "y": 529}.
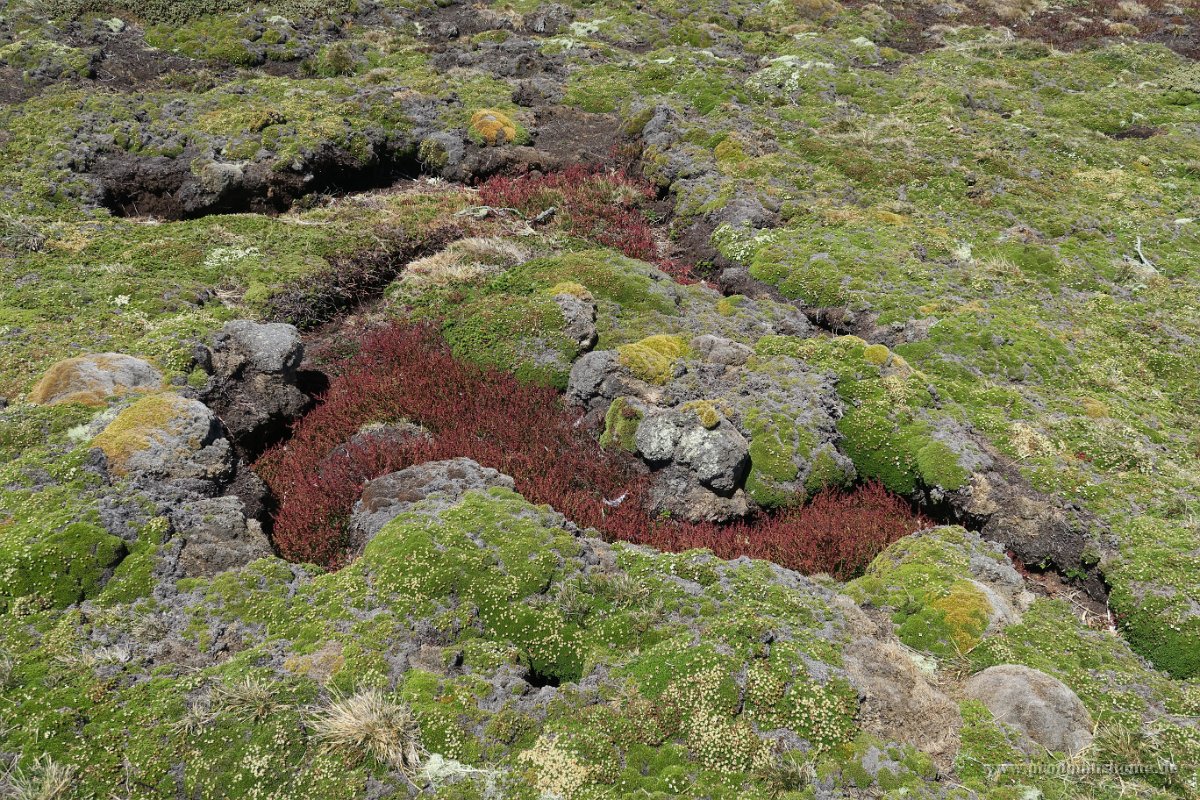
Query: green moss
{"x": 25, "y": 427}
{"x": 775, "y": 443}
{"x": 825, "y": 473}
{"x": 134, "y": 576}
{"x": 705, "y": 411}
{"x": 57, "y": 570}
{"x": 938, "y": 466}
{"x": 653, "y": 359}
{"x": 620, "y": 425}
{"x": 1154, "y": 594}
{"x": 432, "y": 154}
{"x": 520, "y": 334}
{"x": 925, "y": 581}
{"x": 877, "y": 354}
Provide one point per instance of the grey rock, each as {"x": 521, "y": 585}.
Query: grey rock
{"x": 580, "y": 316}
{"x": 676, "y": 491}
{"x": 386, "y": 497}
{"x": 254, "y": 379}
{"x": 217, "y": 537}
{"x": 658, "y": 435}
{"x": 397, "y": 434}
{"x": 896, "y": 699}
{"x": 720, "y": 350}
{"x": 1042, "y": 708}
{"x": 189, "y": 449}
{"x": 92, "y": 378}
{"x": 717, "y": 457}
{"x": 219, "y": 178}
{"x": 588, "y": 374}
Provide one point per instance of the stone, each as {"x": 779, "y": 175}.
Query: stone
{"x": 217, "y": 537}
{"x": 588, "y": 374}
{"x": 580, "y": 316}
{"x": 168, "y": 438}
{"x": 676, "y": 491}
{"x": 1041, "y": 707}
{"x": 717, "y": 457}
{"x": 388, "y": 496}
{"x": 93, "y": 378}
{"x": 720, "y": 350}
{"x": 253, "y": 385}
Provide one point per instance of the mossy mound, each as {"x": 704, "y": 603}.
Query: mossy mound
{"x": 495, "y": 128}
{"x": 1155, "y": 586}
{"x": 620, "y": 425}
{"x": 928, "y": 583}
{"x": 630, "y": 704}
{"x": 138, "y": 427}
{"x": 889, "y": 427}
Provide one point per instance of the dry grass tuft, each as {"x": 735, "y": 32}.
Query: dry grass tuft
{"x": 249, "y": 698}
{"x": 369, "y": 724}
{"x": 1015, "y": 10}
{"x": 466, "y": 261}
{"x": 46, "y": 779}
{"x": 1129, "y": 9}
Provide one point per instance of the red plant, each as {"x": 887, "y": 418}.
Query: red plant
{"x": 603, "y": 206}
{"x": 408, "y": 373}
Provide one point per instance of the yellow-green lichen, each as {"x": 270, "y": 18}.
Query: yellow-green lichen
{"x": 705, "y": 410}
{"x": 133, "y": 428}
{"x": 653, "y": 359}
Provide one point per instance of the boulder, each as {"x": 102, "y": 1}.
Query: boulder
{"x": 93, "y": 378}
{"x": 1042, "y": 708}
{"x": 676, "y": 491}
{"x": 388, "y": 496}
{"x": 253, "y": 385}
{"x": 580, "y": 315}
{"x": 588, "y": 374}
{"x": 719, "y": 350}
{"x": 217, "y": 537}
{"x": 165, "y": 438}
{"x": 717, "y": 456}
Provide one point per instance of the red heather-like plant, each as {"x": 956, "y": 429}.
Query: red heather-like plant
{"x": 408, "y": 373}
{"x": 600, "y": 205}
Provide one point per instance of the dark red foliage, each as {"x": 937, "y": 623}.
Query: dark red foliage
{"x": 407, "y": 373}
{"x": 592, "y": 203}
{"x": 837, "y": 532}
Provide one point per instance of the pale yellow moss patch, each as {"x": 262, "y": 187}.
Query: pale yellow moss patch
{"x": 131, "y": 431}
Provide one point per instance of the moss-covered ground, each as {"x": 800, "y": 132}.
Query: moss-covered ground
{"x": 1010, "y": 219}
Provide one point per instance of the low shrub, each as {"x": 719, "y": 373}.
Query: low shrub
{"x": 407, "y": 373}
{"x": 604, "y": 206}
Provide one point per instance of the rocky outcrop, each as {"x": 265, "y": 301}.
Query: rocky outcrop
{"x": 173, "y": 452}
{"x": 168, "y": 439}
{"x": 580, "y": 315}
{"x": 445, "y": 482}
{"x": 1038, "y": 528}
{"x": 1042, "y": 708}
{"x": 253, "y": 369}
{"x": 93, "y": 378}
{"x": 722, "y": 430}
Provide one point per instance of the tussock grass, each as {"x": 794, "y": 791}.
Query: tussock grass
{"x": 368, "y": 724}
{"x": 45, "y": 779}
